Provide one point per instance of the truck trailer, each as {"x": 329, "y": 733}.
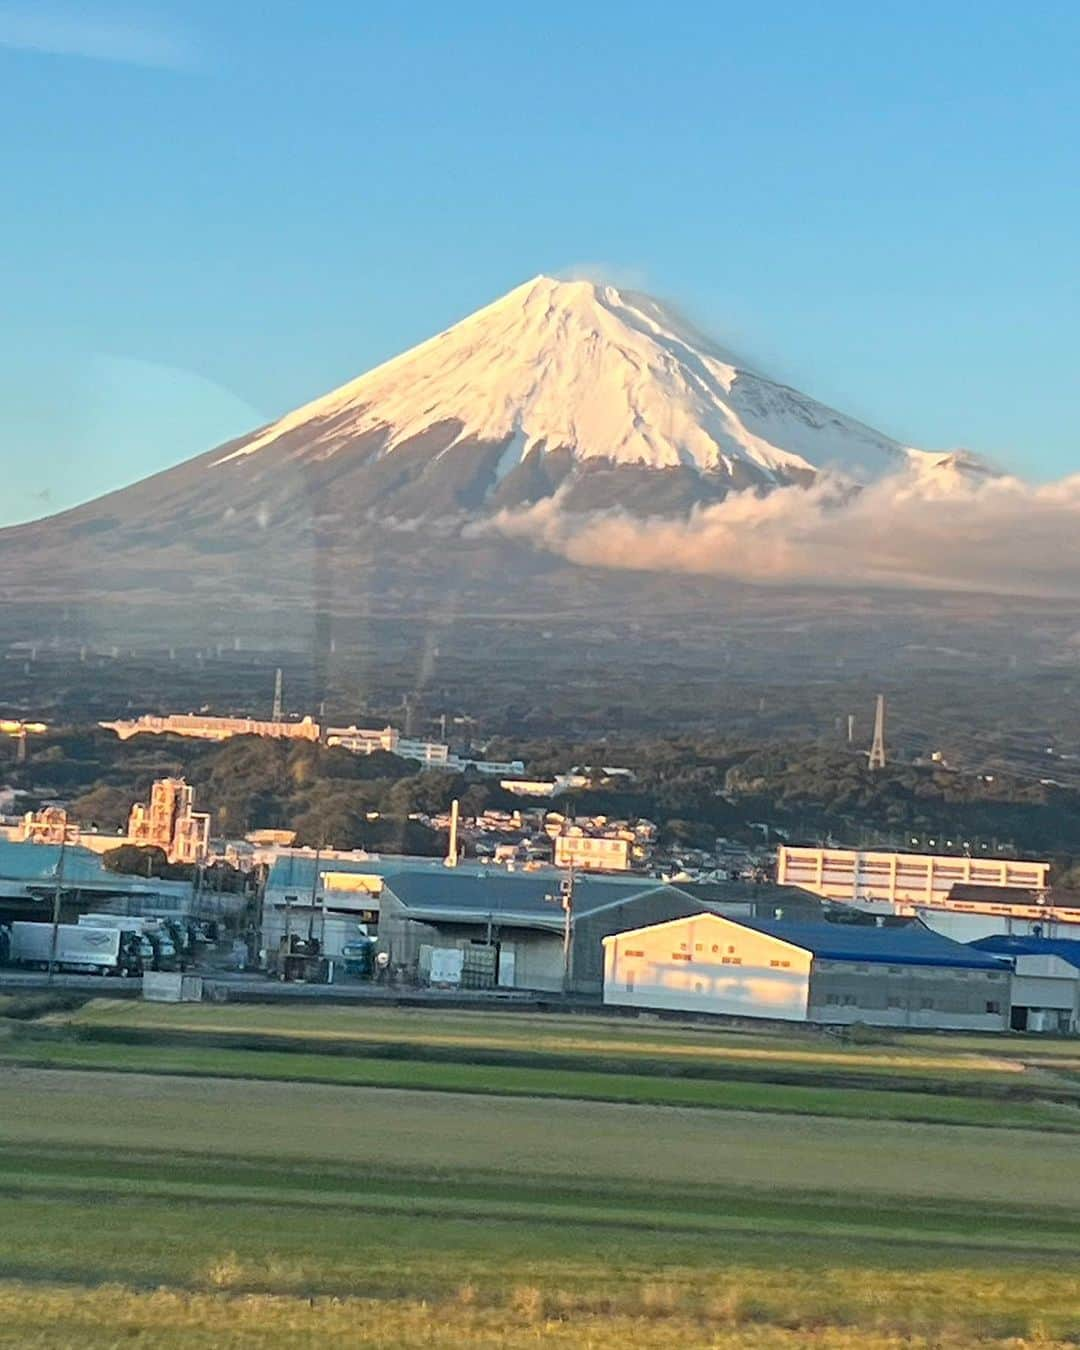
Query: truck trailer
{"x": 156, "y": 944}
{"x": 79, "y": 949}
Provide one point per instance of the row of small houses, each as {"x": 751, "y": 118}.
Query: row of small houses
{"x": 737, "y": 950}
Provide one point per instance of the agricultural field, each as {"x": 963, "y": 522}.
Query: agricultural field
{"x": 801, "y": 1072}
{"x": 167, "y": 1191}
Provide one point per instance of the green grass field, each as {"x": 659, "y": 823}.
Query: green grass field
{"x": 360, "y": 1071}
{"x": 589, "y": 1036}
{"x": 682, "y": 1047}
{"x": 195, "y": 1199}
{"x": 544, "y": 1056}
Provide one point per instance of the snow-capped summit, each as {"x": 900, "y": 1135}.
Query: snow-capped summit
{"x": 573, "y": 392}
{"x": 505, "y": 466}
{"x": 560, "y": 378}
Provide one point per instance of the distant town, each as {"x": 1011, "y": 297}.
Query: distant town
{"x": 531, "y": 890}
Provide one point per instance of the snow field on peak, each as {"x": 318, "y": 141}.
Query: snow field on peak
{"x": 604, "y": 373}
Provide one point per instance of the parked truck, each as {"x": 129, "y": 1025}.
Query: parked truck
{"x": 80, "y": 948}
{"x": 157, "y": 947}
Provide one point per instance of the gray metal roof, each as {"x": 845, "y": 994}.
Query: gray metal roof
{"x": 38, "y": 862}
{"x": 36, "y": 865}
{"x": 912, "y": 945}
{"x": 472, "y": 892}
{"x": 515, "y": 897}
{"x": 297, "y": 871}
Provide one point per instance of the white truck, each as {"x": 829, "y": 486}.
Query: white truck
{"x": 156, "y": 945}
{"x": 79, "y": 948}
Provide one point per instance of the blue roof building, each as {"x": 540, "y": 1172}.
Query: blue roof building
{"x": 1013, "y": 945}
{"x": 906, "y": 945}
{"x": 815, "y": 971}
{"x": 1045, "y": 983}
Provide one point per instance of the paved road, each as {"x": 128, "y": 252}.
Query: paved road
{"x": 30, "y": 981}
{"x": 232, "y": 987}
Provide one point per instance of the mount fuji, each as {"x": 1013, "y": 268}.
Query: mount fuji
{"x": 582, "y": 395}
{"x": 569, "y": 385}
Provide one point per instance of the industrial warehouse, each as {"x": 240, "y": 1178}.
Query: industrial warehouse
{"x": 535, "y": 930}
{"x": 33, "y": 876}
{"x": 807, "y": 972}
{"x": 1046, "y": 981}
{"x": 900, "y": 878}
{"x": 874, "y": 953}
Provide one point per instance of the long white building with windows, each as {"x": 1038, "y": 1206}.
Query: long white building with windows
{"x": 360, "y": 740}
{"x": 208, "y": 728}
{"x": 959, "y": 897}
{"x": 906, "y": 878}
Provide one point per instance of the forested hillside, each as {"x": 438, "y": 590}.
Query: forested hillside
{"x": 694, "y": 790}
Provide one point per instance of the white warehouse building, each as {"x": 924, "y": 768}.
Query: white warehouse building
{"x": 807, "y": 972}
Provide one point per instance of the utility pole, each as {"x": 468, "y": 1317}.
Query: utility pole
{"x": 452, "y": 846}
{"x": 260, "y": 876}
{"x": 877, "y": 750}
{"x": 314, "y": 890}
{"x": 566, "y": 890}
{"x": 57, "y": 893}
{"x": 276, "y": 714}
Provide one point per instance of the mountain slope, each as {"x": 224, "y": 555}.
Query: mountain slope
{"x": 598, "y": 395}
{"x": 562, "y": 376}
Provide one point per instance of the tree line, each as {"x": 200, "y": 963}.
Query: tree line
{"x": 694, "y": 789}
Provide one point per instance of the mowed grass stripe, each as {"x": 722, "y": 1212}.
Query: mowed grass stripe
{"x": 870, "y": 1104}
{"x": 654, "y": 1219}
{"x": 499, "y": 1199}
{"x": 588, "y": 1209}
{"x": 68, "y": 1165}
{"x": 59, "y": 1235}
{"x": 1018, "y": 1086}
{"x": 536, "y": 1035}
{"x": 769, "y": 1281}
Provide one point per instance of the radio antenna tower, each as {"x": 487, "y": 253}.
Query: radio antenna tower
{"x": 877, "y": 750}
{"x": 276, "y": 715}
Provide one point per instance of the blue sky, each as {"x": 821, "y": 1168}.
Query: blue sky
{"x": 215, "y": 212}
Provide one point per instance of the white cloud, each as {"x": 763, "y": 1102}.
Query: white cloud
{"x": 605, "y": 274}
{"x": 1001, "y": 535}
{"x": 70, "y": 30}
